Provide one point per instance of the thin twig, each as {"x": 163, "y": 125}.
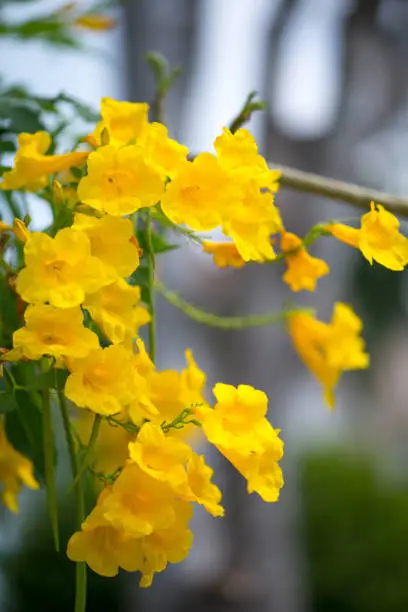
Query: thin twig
{"x": 356, "y": 195}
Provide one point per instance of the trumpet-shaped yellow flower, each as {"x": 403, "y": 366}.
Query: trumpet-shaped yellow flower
{"x": 200, "y": 193}
{"x": 15, "y": 470}
{"x": 200, "y": 488}
{"x": 225, "y": 254}
{"x": 52, "y": 331}
{"x": 102, "y": 546}
{"x": 102, "y": 382}
{"x": 252, "y": 222}
{"x": 162, "y": 153}
{"x": 125, "y": 121}
{"x": 303, "y": 269}
{"x": 379, "y": 238}
{"x": 238, "y": 153}
{"x": 238, "y": 428}
{"x": 328, "y": 349}
{"x": 59, "y": 270}
{"x": 138, "y": 503}
{"x": 32, "y": 167}
{"x": 168, "y": 545}
{"x": 163, "y": 457}
{"x": 117, "y": 310}
{"x": 112, "y": 242}
{"x": 119, "y": 181}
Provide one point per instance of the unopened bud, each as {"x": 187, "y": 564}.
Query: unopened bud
{"x": 20, "y": 230}
{"x": 105, "y": 137}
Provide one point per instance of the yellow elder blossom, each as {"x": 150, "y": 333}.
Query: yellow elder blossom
{"x": 303, "y": 269}
{"x": 15, "y": 470}
{"x": 59, "y": 333}
{"x": 59, "y": 270}
{"x": 112, "y": 241}
{"x": 102, "y": 382}
{"x": 20, "y": 230}
{"x": 224, "y": 254}
{"x": 119, "y": 181}
{"x": 32, "y": 167}
{"x": 200, "y": 193}
{"x": 238, "y": 428}
{"x": 328, "y": 349}
{"x": 238, "y": 153}
{"x": 117, "y": 310}
{"x": 162, "y": 153}
{"x": 379, "y": 238}
{"x": 124, "y": 121}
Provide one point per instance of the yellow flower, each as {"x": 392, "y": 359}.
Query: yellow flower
{"x": 94, "y": 21}
{"x": 102, "y": 546}
{"x": 161, "y": 456}
{"x": 201, "y": 489}
{"x": 119, "y": 181}
{"x": 111, "y": 242}
{"x": 125, "y": 121}
{"x": 238, "y": 153}
{"x": 199, "y": 194}
{"x": 59, "y": 270}
{"x": 379, "y": 238}
{"x": 15, "y": 470}
{"x": 225, "y": 254}
{"x": 238, "y": 428}
{"x": 32, "y": 167}
{"x": 139, "y": 504}
{"x": 328, "y": 349}
{"x": 303, "y": 269}
{"x": 167, "y": 545}
{"x": 116, "y": 309}
{"x": 252, "y": 222}
{"x": 55, "y": 332}
{"x": 162, "y": 153}
{"x": 102, "y": 382}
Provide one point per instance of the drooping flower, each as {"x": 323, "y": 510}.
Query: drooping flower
{"x": 119, "y": 181}
{"x": 163, "y": 457}
{"x": 200, "y": 488}
{"x": 102, "y": 382}
{"x": 32, "y": 166}
{"x": 199, "y": 193}
{"x": 379, "y": 238}
{"x": 251, "y": 223}
{"x": 225, "y": 254}
{"x": 59, "y": 270}
{"x": 238, "y": 428}
{"x": 303, "y": 270}
{"x": 59, "y": 333}
{"x": 15, "y": 470}
{"x": 328, "y": 349}
{"x": 117, "y": 310}
{"x": 112, "y": 242}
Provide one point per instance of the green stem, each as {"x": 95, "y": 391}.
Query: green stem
{"x": 150, "y": 285}
{"x": 89, "y": 449}
{"x": 80, "y": 574}
{"x": 48, "y": 440}
{"x": 208, "y": 318}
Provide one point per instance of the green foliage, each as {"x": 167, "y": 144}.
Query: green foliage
{"x": 356, "y": 530}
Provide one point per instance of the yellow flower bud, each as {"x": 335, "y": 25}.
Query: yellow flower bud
{"x": 20, "y": 230}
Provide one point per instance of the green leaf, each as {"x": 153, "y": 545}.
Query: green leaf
{"x": 8, "y": 402}
{"x": 23, "y": 119}
{"x": 160, "y": 245}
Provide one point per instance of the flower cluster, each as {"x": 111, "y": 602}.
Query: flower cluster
{"x": 84, "y": 284}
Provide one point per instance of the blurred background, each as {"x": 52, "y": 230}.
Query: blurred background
{"x": 335, "y": 75}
